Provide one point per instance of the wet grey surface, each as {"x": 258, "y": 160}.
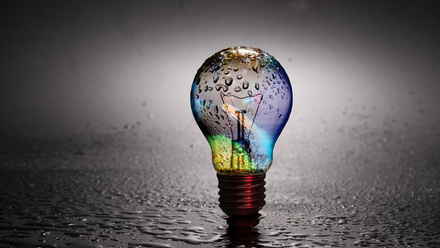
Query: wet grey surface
{"x": 98, "y": 147}
{"x": 134, "y": 188}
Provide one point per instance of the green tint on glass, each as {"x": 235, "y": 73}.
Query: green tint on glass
{"x": 241, "y": 98}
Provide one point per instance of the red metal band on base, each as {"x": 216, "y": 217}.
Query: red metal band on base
{"x": 241, "y": 195}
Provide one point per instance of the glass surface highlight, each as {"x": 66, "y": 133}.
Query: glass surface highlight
{"x": 241, "y": 98}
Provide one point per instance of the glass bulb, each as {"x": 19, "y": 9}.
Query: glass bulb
{"x": 241, "y": 98}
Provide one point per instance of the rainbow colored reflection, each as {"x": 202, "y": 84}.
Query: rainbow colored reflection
{"x": 241, "y": 98}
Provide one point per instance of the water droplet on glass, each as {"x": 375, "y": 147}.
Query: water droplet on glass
{"x": 237, "y": 89}
{"x": 228, "y": 81}
{"x": 245, "y": 84}
{"x": 239, "y": 77}
{"x": 219, "y": 87}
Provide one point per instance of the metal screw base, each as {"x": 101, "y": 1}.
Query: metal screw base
{"x": 241, "y": 196}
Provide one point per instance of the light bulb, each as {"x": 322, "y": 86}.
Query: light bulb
{"x": 241, "y": 99}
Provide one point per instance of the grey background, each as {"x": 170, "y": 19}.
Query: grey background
{"x": 96, "y": 131}
{"x": 69, "y": 67}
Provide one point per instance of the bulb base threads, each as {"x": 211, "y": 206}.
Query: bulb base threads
{"x": 241, "y": 198}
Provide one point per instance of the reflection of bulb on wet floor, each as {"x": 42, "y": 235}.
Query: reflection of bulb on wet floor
{"x": 241, "y": 98}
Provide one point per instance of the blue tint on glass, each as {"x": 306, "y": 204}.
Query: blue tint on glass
{"x": 241, "y": 98}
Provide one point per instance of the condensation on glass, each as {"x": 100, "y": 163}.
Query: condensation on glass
{"x": 241, "y": 98}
